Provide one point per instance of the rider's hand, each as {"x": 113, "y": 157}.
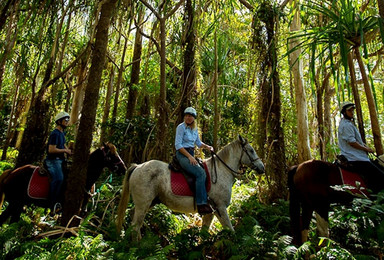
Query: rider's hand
{"x": 68, "y": 151}
{"x": 192, "y": 160}
{"x": 369, "y": 150}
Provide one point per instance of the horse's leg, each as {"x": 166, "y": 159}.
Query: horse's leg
{"x": 142, "y": 205}
{"x": 137, "y": 221}
{"x": 15, "y": 215}
{"x": 207, "y": 220}
{"x": 83, "y": 209}
{"x": 307, "y": 212}
{"x": 13, "y": 210}
{"x": 322, "y": 224}
{"x": 223, "y": 217}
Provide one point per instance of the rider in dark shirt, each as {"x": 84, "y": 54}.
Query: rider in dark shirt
{"x": 56, "y": 149}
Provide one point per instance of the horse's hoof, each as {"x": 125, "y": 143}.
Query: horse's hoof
{"x": 204, "y": 209}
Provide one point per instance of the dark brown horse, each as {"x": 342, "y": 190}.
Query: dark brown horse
{"x": 311, "y": 185}
{"x": 14, "y": 183}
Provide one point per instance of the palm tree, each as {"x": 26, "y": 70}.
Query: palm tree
{"x": 345, "y": 30}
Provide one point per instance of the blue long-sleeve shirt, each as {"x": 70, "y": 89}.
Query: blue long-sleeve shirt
{"x": 348, "y": 133}
{"x": 186, "y": 137}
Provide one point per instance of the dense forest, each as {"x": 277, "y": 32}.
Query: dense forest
{"x": 275, "y": 72}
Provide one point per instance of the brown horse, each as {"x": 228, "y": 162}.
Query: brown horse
{"x": 311, "y": 185}
{"x": 14, "y": 183}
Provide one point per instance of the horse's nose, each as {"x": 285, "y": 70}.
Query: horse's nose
{"x": 259, "y": 167}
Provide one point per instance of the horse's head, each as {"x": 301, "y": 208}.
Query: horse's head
{"x": 249, "y": 157}
{"x": 112, "y": 159}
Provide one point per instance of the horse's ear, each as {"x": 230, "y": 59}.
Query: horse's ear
{"x": 105, "y": 145}
{"x": 242, "y": 140}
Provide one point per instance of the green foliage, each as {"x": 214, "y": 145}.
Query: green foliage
{"x": 13, "y": 238}
{"x": 134, "y": 133}
{"x": 5, "y": 166}
{"x": 361, "y": 225}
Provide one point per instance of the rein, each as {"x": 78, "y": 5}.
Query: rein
{"x": 233, "y": 172}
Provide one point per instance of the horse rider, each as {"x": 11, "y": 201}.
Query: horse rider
{"x": 355, "y": 151}
{"x": 187, "y": 136}
{"x": 56, "y": 150}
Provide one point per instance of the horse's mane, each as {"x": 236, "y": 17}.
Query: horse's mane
{"x": 226, "y": 152}
{"x": 112, "y": 147}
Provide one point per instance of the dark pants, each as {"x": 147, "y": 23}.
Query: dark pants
{"x": 371, "y": 174}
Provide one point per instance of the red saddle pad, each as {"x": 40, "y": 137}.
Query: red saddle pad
{"x": 180, "y": 185}
{"x": 350, "y": 178}
{"x": 38, "y": 187}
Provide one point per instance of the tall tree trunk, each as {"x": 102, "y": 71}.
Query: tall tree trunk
{"x": 320, "y": 117}
{"x": 380, "y": 3}
{"x": 33, "y": 142}
{"x": 328, "y": 94}
{"x": 76, "y": 180}
{"x": 135, "y": 70}
{"x": 189, "y": 70}
{"x": 10, "y": 40}
{"x": 107, "y": 106}
{"x": 118, "y": 83}
{"x": 270, "y": 116}
{"x": 356, "y": 95}
{"x": 303, "y": 149}
{"x": 5, "y": 12}
{"x": 12, "y": 118}
{"x": 371, "y": 105}
{"x": 79, "y": 90}
{"x": 162, "y": 111}
{"x": 216, "y": 97}
{"x": 59, "y": 29}
{"x": 162, "y": 123}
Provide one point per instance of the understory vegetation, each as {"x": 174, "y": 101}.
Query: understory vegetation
{"x": 262, "y": 231}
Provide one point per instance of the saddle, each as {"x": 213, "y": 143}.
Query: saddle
{"x": 183, "y": 183}
{"x": 40, "y": 181}
{"x": 350, "y": 177}
{"x": 38, "y": 187}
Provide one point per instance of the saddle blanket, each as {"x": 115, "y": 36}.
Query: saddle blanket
{"x": 180, "y": 185}
{"x": 350, "y": 178}
{"x": 38, "y": 187}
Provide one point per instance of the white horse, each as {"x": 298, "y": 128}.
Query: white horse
{"x": 150, "y": 182}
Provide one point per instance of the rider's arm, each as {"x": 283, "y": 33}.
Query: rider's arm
{"x": 53, "y": 149}
{"x": 202, "y": 145}
{"x": 358, "y": 146}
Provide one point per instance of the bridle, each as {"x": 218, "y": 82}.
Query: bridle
{"x": 108, "y": 159}
{"x": 234, "y": 173}
{"x": 247, "y": 153}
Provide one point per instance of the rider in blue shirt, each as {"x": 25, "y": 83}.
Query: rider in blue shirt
{"x": 352, "y": 147}
{"x": 187, "y": 136}
{"x": 56, "y": 149}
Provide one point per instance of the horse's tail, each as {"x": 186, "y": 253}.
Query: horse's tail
{"x": 3, "y": 178}
{"x": 124, "y": 200}
{"x": 294, "y": 207}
